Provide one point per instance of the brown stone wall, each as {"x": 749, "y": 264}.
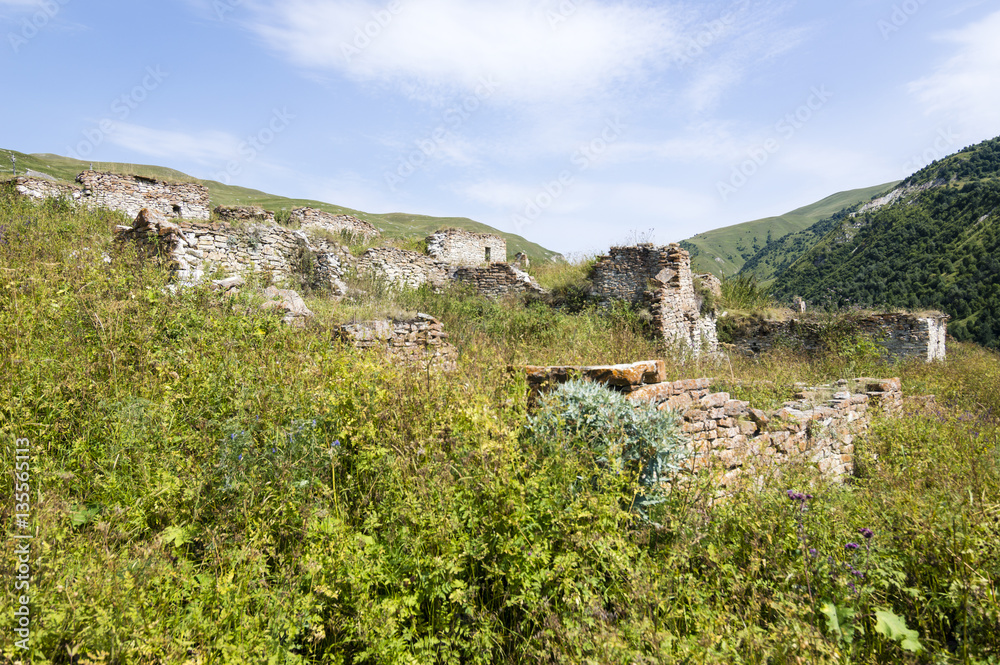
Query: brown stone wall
{"x": 244, "y": 214}
{"x": 42, "y": 188}
{"x": 419, "y": 340}
{"x": 496, "y": 280}
{"x": 130, "y": 194}
{"x": 734, "y": 439}
{"x": 314, "y": 218}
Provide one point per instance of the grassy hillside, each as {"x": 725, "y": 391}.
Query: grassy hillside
{"x": 206, "y": 485}
{"x": 724, "y": 251}
{"x": 396, "y": 225}
{"x": 933, "y": 247}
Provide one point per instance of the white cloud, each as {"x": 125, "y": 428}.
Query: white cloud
{"x": 204, "y": 147}
{"x": 532, "y": 51}
{"x": 964, "y": 88}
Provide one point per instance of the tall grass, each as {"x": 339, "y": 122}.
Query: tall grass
{"x": 211, "y": 486}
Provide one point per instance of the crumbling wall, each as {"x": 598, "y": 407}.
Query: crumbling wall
{"x": 195, "y": 250}
{"x": 496, "y": 280}
{"x": 900, "y": 335}
{"x": 402, "y": 267}
{"x": 419, "y": 340}
{"x": 313, "y": 218}
{"x": 465, "y": 248}
{"x": 130, "y": 194}
{"x": 244, "y": 214}
{"x": 658, "y": 278}
{"x": 738, "y": 442}
{"x": 43, "y": 188}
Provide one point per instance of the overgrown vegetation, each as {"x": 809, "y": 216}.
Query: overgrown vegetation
{"x": 210, "y": 486}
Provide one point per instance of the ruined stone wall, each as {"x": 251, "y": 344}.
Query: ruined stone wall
{"x": 900, "y": 335}
{"x": 313, "y": 218}
{"x": 465, "y": 248}
{"x": 194, "y": 250}
{"x": 43, "y": 188}
{"x": 244, "y": 214}
{"x": 738, "y": 442}
{"x": 414, "y": 341}
{"x": 130, "y": 194}
{"x": 496, "y": 280}
{"x": 402, "y": 267}
{"x": 658, "y": 278}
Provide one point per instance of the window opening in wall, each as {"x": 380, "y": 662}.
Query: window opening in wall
{"x": 487, "y": 254}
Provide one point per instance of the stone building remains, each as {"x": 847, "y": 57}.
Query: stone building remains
{"x": 465, "y": 248}
{"x": 314, "y": 218}
{"x": 657, "y": 277}
{"x": 420, "y": 340}
{"x": 737, "y": 442}
{"x": 244, "y": 214}
{"x": 131, "y": 193}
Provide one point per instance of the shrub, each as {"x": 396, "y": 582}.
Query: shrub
{"x": 623, "y": 436}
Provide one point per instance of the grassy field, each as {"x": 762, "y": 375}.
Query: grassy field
{"x": 205, "y": 485}
{"x": 724, "y": 251}
{"x": 396, "y": 224}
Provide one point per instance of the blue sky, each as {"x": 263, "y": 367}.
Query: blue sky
{"x": 575, "y": 123}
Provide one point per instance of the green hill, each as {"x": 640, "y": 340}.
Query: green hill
{"x": 724, "y": 251}
{"x": 934, "y": 242}
{"x": 394, "y": 224}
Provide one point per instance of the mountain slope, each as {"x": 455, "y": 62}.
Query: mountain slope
{"x": 933, "y": 242}
{"x": 396, "y": 224}
{"x": 724, "y": 251}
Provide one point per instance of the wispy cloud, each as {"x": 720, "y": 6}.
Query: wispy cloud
{"x": 206, "y": 147}
{"x": 535, "y": 50}
{"x": 964, "y": 87}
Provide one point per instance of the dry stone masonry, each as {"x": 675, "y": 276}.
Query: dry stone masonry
{"x": 43, "y": 188}
{"x": 465, "y": 248}
{"x": 496, "y": 280}
{"x": 194, "y": 250}
{"x": 314, "y": 218}
{"x": 244, "y": 214}
{"x": 900, "y": 335}
{"x": 738, "y": 442}
{"x": 130, "y": 194}
{"x": 659, "y": 278}
{"x": 421, "y": 340}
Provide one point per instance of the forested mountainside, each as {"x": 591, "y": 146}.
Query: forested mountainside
{"x": 933, "y": 242}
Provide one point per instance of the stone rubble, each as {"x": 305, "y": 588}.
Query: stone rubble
{"x": 420, "y": 340}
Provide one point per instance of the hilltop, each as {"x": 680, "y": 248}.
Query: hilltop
{"x": 724, "y": 251}
{"x": 393, "y": 225}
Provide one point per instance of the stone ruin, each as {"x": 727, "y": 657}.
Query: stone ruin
{"x": 899, "y": 335}
{"x": 660, "y": 279}
{"x": 465, "y": 248}
{"x": 314, "y": 218}
{"x": 125, "y": 193}
{"x": 131, "y": 193}
{"x": 737, "y": 442}
{"x": 193, "y": 250}
{"x": 244, "y": 215}
{"x": 420, "y": 340}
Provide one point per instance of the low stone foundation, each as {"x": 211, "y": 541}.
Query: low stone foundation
{"x": 314, "y": 218}
{"x": 738, "y": 442}
{"x": 900, "y": 335}
{"x": 244, "y": 214}
{"x": 420, "y": 340}
{"x": 496, "y": 280}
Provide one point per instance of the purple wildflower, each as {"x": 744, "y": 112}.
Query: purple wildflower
{"x": 851, "y": 546}
{"x": 867, "y": 533}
